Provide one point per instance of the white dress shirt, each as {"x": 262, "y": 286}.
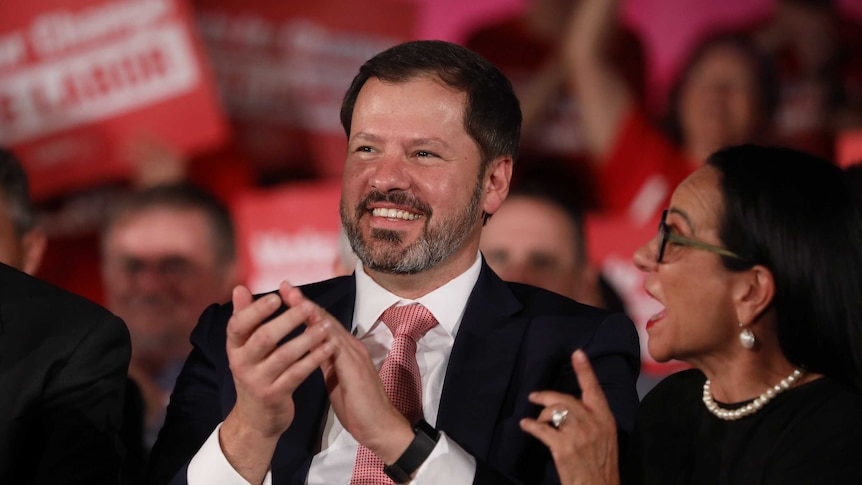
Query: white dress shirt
{"x": 333, "y": 465}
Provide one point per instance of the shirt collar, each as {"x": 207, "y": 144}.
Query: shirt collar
{"x": 446, "y": 303}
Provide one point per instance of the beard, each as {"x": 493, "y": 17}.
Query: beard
{"x": 385, "y": 252}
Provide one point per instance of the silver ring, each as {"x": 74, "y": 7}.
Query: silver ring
{"x": 558, "y": 417}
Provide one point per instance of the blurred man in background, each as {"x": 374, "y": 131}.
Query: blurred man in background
{"x": 168, "y": 251}
{"x": 537, "y": 237}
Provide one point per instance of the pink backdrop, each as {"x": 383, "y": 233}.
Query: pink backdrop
{"x": 668, "y": 27}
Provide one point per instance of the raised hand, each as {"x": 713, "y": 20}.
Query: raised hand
{"x": 584, "y": 444}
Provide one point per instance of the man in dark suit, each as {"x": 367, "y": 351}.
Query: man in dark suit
{"x": 432, "y": 135}
{"x": 63, "y": 363}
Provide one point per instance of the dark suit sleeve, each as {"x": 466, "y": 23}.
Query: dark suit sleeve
{"x": 614, "y": 353}
{"x": 82, "y": 408}
{"x": 196, "y": 407}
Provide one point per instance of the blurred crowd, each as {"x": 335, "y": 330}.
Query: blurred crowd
{"x": 582, "y": 76}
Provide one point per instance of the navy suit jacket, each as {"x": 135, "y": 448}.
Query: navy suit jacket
{"x": 63, "y": 365}
{"x": 513, "y": 339}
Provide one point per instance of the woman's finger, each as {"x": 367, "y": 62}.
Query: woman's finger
{"x": 591, "y": 391}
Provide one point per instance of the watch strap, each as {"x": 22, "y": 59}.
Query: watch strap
{"x": 416, "y": 453}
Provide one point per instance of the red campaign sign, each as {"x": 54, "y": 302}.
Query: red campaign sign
{"x": 287, "y": 233}
{"x": 612, "y": 241}
{"x": 81, "y": 80}
{"x": 283, "y": 68}
{"x": 849, "y": 148}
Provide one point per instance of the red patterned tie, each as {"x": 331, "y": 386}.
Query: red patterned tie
{"x": 401, "y": 381}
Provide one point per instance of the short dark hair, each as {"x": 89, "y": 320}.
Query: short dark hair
{"x": 180, "y": 196}
{"x": 15, "y": 193}
{"x": 799, "y": 216}
{"x": 492, "y": 116}
{"x": 764, "y": 74}
{"x": 551, "y": 180}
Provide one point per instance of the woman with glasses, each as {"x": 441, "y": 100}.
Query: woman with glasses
{"x": 758, "y": 264}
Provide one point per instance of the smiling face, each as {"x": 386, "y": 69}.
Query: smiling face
{"x": 696, "y": 289}
{"x": 161, "y": 271}
{"x": 414, "y": 189}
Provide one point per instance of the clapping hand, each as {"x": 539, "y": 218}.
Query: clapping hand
{"x": 265, "y": 375}
{"x": 354, "y": 385}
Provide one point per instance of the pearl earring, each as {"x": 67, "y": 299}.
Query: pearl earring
{"x": 746, "y": 337}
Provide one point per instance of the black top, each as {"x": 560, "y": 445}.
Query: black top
{"x": 810, "y": 434}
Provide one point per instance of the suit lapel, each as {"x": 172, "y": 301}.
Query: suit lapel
{"x": 481, "y": 365}
{"x": 340, "y": 300}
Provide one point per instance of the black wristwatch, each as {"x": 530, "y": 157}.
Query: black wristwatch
{"x": 415, "y": 454}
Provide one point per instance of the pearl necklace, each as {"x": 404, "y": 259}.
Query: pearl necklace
{"x": 753, "y": 406}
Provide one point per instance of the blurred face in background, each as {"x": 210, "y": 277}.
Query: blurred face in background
{"x": 161, "y": 270}
{"x": 21, "y": 251}
{"x": 718, "y": 102}
{"x": 11, "y": 249}
{"x": 533, "y": 241}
